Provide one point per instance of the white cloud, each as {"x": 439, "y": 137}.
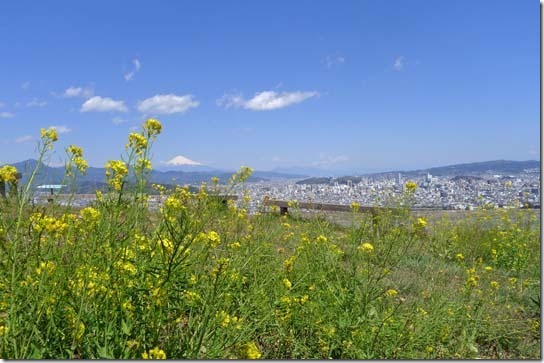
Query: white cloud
{"x": 85, "y": 92}
{"x": 103, "y": 104}
{"x": 326, "y": 159}
{"x": 229, "y": 101}
{"x": 167, "y": 104}
{"x": 137, "y": 65}
{"x": 25, "y": 85}
{"x": 55, "y": 164}
{"x": 180, "y": 160}
{"x": 36, "y": 103}
{"x": 6, "y": 115}
{"x": 23, "y": 139}
{"x": 61, "y": 129}
{"x": 399, "y": 63}
{"x": 266, "y": 100}
{"x": 332, "y": 60}
{"x": 119, "y": 120}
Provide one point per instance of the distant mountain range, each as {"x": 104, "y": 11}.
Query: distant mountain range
{"x": 502, "y": 167}
{"x": 95, "y": 177}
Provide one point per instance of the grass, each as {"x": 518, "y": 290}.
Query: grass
{"x": 198, "y": 279}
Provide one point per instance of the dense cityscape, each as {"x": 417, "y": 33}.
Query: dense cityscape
{"x": 461, "y": 193}
{"x": 435, "y": 192}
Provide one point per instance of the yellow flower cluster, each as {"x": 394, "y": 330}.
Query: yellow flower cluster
{"x": 89, "y": 281}
{"x": 50, "y": 224}
{"x": 321, "y": 239}
{"x": 142, "y": 164}
{"x": 116, "y": 171}
{"x": 211, "y": 238}
{"x": 8, "y": 174}
{"x": 77, "y": 328}
{"x": 89, "y": 215}
{"x": 126, "y": 267}
{"x": 191, "y": 296}
{"x": 49, "y": 136}
{"x": 355, "y": 207}
{"x": 137, "y": 142}
{"x": 287, "y": 300}
{"x": 410, "y": 186}
{"x": 45, "y": 268}
{"x": 76, "y": 158}
{"x": 250, "y": 351}
{"x": 472, "y": 279}
{"x": 288, "y": 263}
{"x": 287, "y": 284}
{"x": 155, "y": 353}
{"x": 226, "y": 320}
{"x": 241, "y": 176}
{"x": 366, "y": 248}
{"x": 391, "y": 293}
{"x": 152, "y": 128}
{"x": 420, "y": 223}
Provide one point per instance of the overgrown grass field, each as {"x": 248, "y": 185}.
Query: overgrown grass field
{"x": 200, "y": 279}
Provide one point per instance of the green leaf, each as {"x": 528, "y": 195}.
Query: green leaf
{"x": 125, "y": 328}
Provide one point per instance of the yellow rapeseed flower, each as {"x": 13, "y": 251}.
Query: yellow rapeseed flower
{"x": 355, "y": 207}
{"x": 287, "y": 284}
{"x": 391, "y": 292}
{"x": 152, "y": 127}
{"x": 421, "y": 223}
{"x": 49, "y": 136}
{"x": 137, "y": 141}
{"x": 116, "y": 171}
{"x": 155, "y": 353}
{"x": 411, "y": 186}
{"x": 251, "y": 351}
{"x": 8, "y": 174}
{"x": 366, "y": 247}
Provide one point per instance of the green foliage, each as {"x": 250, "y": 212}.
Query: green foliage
{"x": 200, "y": 279}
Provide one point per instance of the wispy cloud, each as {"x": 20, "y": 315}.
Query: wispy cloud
{"x": 119, "y": 120}
{"x": 103, "y": 104}
{"x": 36, "y": 103}
{"x": 6, "y": 115}
{"x": 61, "y": 129}
{"x": 326, "y": 159}
{"x": 25, "y": 85}
{"x": 180, "y": 160}
{"x": 137, "y": 65}
{"x": 333, "y": 60}
{"x": 84, "y": 92}
{"x": 398, "y": 65}
{"x": 23, "y": 139}
{"x": 167, "y": 104}
{"x": 266, "y": 100}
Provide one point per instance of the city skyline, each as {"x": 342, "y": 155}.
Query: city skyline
{"x": 359, "y": 86}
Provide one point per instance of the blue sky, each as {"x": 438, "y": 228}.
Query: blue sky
{"x": 339, "y": 85}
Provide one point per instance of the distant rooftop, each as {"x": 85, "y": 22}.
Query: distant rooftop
{"x": 50, "y": 186}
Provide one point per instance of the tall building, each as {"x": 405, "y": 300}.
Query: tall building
{"x": 399, "y": 179}
{"x": 429, "y": 178}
